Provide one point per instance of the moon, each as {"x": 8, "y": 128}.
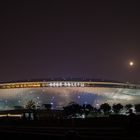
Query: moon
{"x": 131, "y": 63}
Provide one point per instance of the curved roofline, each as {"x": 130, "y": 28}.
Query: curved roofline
{"x": 62, "y": 83}
{"x": 62, "y": 79}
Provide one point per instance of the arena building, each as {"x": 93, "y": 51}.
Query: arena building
{"x": 61, "y": 93}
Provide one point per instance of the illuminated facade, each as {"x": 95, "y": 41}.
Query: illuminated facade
{"x": 60, "y": 93}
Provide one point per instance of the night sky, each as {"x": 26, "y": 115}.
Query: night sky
{"x": 93, "y": 39}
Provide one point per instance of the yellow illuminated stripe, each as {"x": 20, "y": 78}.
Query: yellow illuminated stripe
{"x": 14, "y": 115}
{"x": 10, "y": 115}
{"x": 3, "y": 115}
{"x": 45, "y": 84}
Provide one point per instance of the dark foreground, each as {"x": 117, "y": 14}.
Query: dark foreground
{"x": 97, "y": 128}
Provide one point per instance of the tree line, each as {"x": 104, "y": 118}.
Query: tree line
{"x": 74, "y": 109}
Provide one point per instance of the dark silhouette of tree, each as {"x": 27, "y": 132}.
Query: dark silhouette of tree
{"x": 137, "y": 108}
{"x": 87, "y": 108}
{"x": 97, "y": 111}
{"x": 106, "y": 108}
{"x": 128, "y": 107}
{"x": 72, "y": 109}
{"x": 30, "y": 105}
{"x": 117, "y": 108}
{"x": 47, "y": 106}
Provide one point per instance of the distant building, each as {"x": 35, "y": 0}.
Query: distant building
{"x": 60, "y": 93}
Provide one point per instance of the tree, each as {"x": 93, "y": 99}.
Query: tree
{"x": 117, "y": 108}
{"x": 87, "y": 108}
{"x": 128, "y": 106}
{"x": 106, "y": 108}
{"x": 47, "y": 106}
{"x": 31, "y": 109}
{"x": 137, "y": 108}
{"x": 30, "y": 105}
{"x": 72, "y": 109}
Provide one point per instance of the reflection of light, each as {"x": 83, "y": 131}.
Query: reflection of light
{"x": 97, "y": 106}
{"x": 122, "y": 97}
{"x": 83, "y": 116}
{"x": 78, "y": 97}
